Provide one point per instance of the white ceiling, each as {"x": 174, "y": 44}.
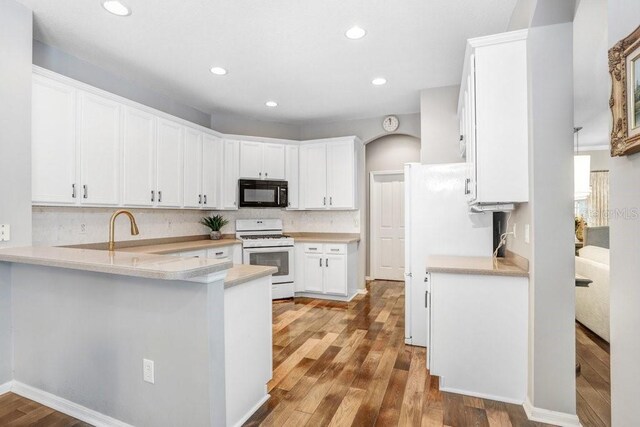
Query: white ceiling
{"x": 291, "y": 51}
{"x": 591, "y": 73}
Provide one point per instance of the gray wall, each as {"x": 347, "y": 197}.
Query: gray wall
{"x": 440, "y": 125}
{"x": 552, "y": 294}
{"x": 388, "y": 153}
{"x": 242, "y": 125}
{"x": 366, "y": 129}
{"x": 600, "y": 159}
{"x": 15, "y": 148}
{"x": 625, "y": 247}
{"x": 63, "y": 63}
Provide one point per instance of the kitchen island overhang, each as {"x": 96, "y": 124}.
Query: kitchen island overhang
{"x": 82, "y": 323}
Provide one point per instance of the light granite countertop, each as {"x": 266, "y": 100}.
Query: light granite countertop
{"x": 242, "y": 273}
{"x": 167, "y": 248}
{"x": 475, "y": 265}
{"x": 121, "y": 263}
{"x": 325, "y": 237}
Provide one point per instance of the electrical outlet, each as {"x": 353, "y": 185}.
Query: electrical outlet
{"x": 527, "y": 236}
{"x": 5, "y": 232}
{"x": 515, "y": 234}
{"x": 148, "y": 371}
{"x": 83, "y": 228}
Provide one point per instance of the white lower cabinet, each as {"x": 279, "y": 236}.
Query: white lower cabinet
{"x": 326, "y": 269}
{"x": 231, "y": 252}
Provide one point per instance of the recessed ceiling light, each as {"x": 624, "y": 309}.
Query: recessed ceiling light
{"x": 218, "y": 71}
{"x": 115, "y": 7}
{"x": 271, "y": 104}
{"x": 355, "y": 33}
{"x": 378, "y": 81}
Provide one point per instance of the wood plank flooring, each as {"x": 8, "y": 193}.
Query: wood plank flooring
{"x": 343, "y": 364}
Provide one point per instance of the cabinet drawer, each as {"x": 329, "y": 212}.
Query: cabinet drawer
{"x": 191, "y": 254}
{"x": 335, "y": 249}
{"x": 313, "y": 248}
{"x": 222, "y": 252}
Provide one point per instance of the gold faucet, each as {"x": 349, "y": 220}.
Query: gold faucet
{"x": 134, "y": 227}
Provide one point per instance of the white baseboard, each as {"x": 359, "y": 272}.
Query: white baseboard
{"x": 328, "y": 297}
{"x": 251, "y": 411}
{"x": 362, "y": 291}
{"x": 480, "y": 395}
{"x": 66, "y": 406}
{"x": 550, "y": 417}
{"x": 6, "y": 387}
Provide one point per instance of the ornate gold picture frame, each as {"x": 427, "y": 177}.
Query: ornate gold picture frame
{"x": 624, "y": 67}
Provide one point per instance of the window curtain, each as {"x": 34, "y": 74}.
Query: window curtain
{"x": 598, "y": 200}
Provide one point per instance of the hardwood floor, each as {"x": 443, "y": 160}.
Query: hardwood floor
{"x": 342, "y": 364}
{"x": 17, "y": 411}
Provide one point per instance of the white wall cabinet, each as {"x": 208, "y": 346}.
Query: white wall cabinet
{"x": 292, "y": 156}
{"x": 201, "y": 170}
{"x": 329, "y": 173}
{"x": 169, "y": 164}
{"x": 260, "y": 160}
{"x": 493, "y": 113}
{"x": 326, "y": 269}
{"x": 211, "y": 171}
{"x": 138, "y": 157}
{"x": 230, "y": 174}
{"x": 53, "y": 142}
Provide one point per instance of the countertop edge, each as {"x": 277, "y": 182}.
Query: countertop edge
{"x": 258, "y": 274}
{"x": 480, "y": 272}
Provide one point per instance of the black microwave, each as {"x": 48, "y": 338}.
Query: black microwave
{"x": 255, "y": 193}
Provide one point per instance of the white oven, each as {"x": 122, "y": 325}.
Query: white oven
{"x": 279, "y": 257}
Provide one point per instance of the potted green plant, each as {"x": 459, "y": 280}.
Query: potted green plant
{"x": 215, "y": 224}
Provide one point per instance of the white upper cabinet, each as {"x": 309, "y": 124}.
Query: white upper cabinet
{"x": 138, "y": 158}
{"x": 493, "y": 111}
{"x": 192, "y": 169}
{"x": 329, "y": 174}
{"x": 211, "y": 175}
{"x": 99, "y": 136}
{"x": 292, "y": 156}
{"x": 230, "y": 174}
{"x": 169, "y": 164}
{"x": 341, "y": 175}
{"x": 260, "y": 160}
{"x": 53, "y": 142}
{"x": 313, "y": 175}
{"x": 273, "y": 161}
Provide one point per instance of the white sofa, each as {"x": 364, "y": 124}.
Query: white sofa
{"x": 592, "y": 303}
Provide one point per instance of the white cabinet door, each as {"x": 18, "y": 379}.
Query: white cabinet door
{"x": 292, "y": 170}
{"x": 471, "y": 185}
{"x": 313, "y": 176}
{"x": 169, "y": 164}
{"x": 313, "y": 272}
{"x": 53, "y": 142}
{"x": 251, "y": 160}
{"x": 192, "y": 168}
{"x": 211, "y": 167}
{"x": 99, "y": 136}
{"x": 138, "y": 158}
{"x": 335, "y": 276}
{"x": 273, "y": 161}
{"x": 231, "y": 174}
{"x": 341, "y": 175}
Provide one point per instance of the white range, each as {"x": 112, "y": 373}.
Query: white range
{"x": 263, "y": 243}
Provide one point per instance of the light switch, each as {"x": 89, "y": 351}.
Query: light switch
{"x": 5, "y": 232}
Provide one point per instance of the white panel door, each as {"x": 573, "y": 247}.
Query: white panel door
{"x": 335, "y": 277}
{"x": 230, "y": 174}
{"x": 313, "y": 272}
{"x": 99, "y": 135}
{"x": 292, "y": 153}
{"x": 138, "y": 160}
{"x": 273, "y": 165}
{"x": 53, "y": 142}
{"x": 211, "y": 167}
{"x": 169, "y": 163}
{"x": 192, "y": 168}
{"x": 387, "y": 222}
{"x": 341, "y": 175}
{"x": 313, "y": 176}
{"x": 251, "y": 160}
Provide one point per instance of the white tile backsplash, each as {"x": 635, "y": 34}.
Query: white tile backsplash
{"x": 55, "y": 226}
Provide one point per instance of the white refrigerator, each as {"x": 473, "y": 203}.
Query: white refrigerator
{"x": 437, "y": 222}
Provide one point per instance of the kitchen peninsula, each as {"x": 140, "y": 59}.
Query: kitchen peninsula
{"x": 118, "y": 338}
